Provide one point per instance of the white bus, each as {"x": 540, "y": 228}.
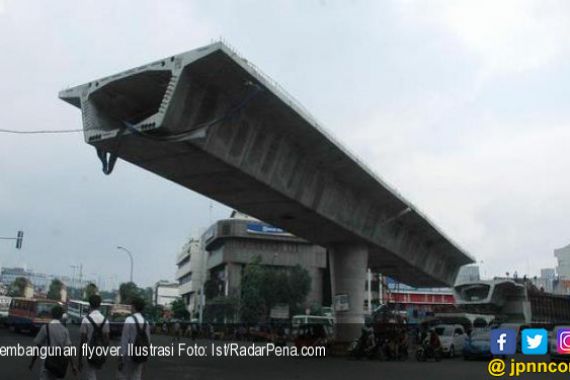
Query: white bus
{"x": 77, "y": 309}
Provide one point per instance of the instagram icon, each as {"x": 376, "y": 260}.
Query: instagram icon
{"x": 563, "y": 341}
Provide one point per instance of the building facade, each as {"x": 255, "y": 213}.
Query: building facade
{"x": 233, "y": 243}
{"x": 563, "y": 256}
{"x": 39, "y": 281}
{"x": 191, "y": 273}
{"x": 165, "y": 293}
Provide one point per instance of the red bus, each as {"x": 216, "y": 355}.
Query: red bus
{"x": 29, "y": 313}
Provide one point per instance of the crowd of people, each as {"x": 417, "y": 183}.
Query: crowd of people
{"x": 94, "y": 332}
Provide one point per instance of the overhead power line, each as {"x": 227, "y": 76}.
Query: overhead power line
{"x": 40, "y": 131}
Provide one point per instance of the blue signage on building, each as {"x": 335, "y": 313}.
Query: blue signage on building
{"x": 264, "y": 229}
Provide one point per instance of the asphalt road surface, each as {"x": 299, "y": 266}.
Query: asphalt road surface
{"x": 274, "y": 368}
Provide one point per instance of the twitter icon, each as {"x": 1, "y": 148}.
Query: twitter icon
{"x": 534, "y": 341}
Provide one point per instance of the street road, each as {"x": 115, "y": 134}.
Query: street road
{"x": 212, "y": 368}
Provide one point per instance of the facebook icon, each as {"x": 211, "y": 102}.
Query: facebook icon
{"x": 503, "y": 341}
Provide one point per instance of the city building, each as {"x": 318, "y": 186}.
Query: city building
{"x": 39, "y": 281}
{"x": 547, "y": 281}
{"x": 417, "y": 303}
{"x": 563, "y": 256}
{"x": 233, "y": 243}
{"x": 165, "y": 293}
{"x": 191, "y": 273}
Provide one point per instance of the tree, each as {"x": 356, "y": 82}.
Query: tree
{"x": 90, "y": 289}
{"x": 153, "y": 312}
{"x": 54, "y": 291}
{"x": 18, "y": 287}
{"x": 252, "y": 302}
{"x": 147, "y": 294}
{"x": 179, "y": 309}
{"x": 265, "y": 287}
{"x": 299, "y": 285}
{"x": 128, "y": 291}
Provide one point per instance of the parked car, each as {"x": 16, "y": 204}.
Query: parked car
{"x": 477, "y": 346}
{"x": 452, "y": 338}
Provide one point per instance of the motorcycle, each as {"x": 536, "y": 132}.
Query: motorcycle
{"x": 426, "y": 351}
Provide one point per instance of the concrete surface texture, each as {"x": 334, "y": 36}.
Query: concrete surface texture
{"x": 210, "y": 121}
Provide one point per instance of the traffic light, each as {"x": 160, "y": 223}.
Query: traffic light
{"x": 19, "y": 239}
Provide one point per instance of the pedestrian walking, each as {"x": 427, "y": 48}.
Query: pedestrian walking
{"x": 135, "y": 344}
{"x": 54, "y": 334}
{"x": 94, "y": 332}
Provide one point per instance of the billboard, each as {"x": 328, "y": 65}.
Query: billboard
{"x": 265, "y": 229}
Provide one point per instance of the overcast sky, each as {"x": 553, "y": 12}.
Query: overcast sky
{"x": 461, "y": 106}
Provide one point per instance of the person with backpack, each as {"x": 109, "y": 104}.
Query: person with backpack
{"x": 54, "y": 334}
{"x": 135, "y": 343}
{"x": 94, "y": 332}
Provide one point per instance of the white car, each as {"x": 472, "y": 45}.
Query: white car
{"x": 452, "y": 338}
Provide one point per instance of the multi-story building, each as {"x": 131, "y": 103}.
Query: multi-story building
{"x": 233, "y": 243}
{"x": 39, "y": 281}
{"x": 563, "y": 256}
{"x": 547, "y": 280}
{"x": 191, "y": 273}
{"x": 418, "y": 303}
{"x": 165, "y": 293}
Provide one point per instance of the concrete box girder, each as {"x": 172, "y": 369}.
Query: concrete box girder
{"x": 240, "y": 140}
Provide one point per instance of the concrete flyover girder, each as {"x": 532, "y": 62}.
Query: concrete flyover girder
{"x": 210, "y": 121}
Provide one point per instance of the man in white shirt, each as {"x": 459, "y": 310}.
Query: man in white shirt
{"x": 129, "y": 368}
{"x": 53, "y": 334}
{"x": 92, "y": 321}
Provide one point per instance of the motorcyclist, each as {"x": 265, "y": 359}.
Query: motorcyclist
{"x": 432, "y": 341}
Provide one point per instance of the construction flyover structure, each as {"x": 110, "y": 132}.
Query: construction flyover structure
{"x": 210, "y": 121}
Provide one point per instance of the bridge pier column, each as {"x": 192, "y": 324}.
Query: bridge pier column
{"x": 348, "y": 263}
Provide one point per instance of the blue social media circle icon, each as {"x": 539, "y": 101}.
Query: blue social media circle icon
{"x": 534, "y": 341}
{"x": 503, "y": 341}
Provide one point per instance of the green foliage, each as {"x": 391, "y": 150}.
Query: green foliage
{"x": 54, "y": 291}
{"x": 128, "y": 291}
{"x": 90, "y": 289}
{"x": 153, "y": 312}
{"x": 264, "y": 287}
{"x": 252, "y": 308}
{"x": 146, "y": 294}
{"x": 179, "y": 309}
{"x": 18, "y": 287}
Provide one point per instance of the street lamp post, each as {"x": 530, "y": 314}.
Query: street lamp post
{"x": 130, "y": 257}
